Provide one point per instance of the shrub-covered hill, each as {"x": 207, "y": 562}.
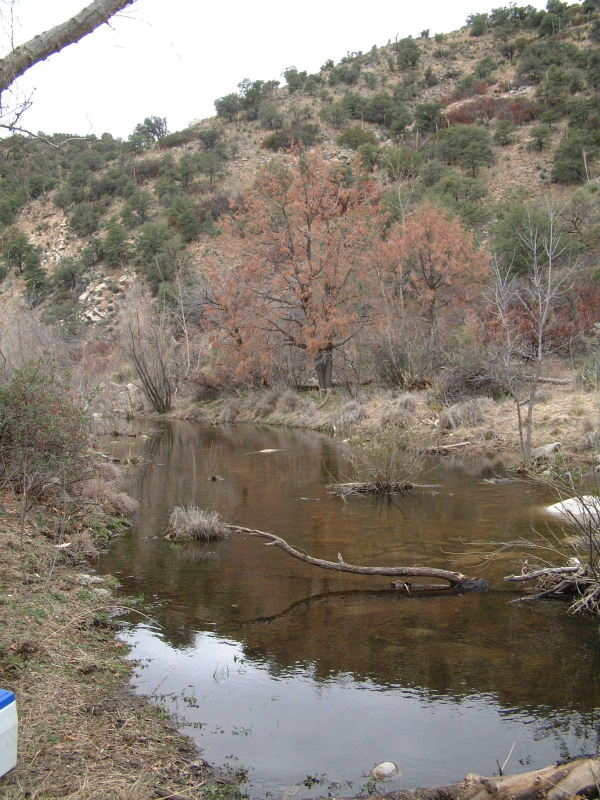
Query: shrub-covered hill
{"x": 483, "y": 124}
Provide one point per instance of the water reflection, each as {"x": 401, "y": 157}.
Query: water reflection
{"x": 360, "y": 674}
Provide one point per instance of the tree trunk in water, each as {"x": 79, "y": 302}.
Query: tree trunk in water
{"x": 579, "y": 778}
{"x": 324, "y": 368}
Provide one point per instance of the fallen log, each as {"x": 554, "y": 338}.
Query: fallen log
{"x": 442, "y": 449}
{"x": 577, "y": 778}
{"x": 555, "y": 381}
{"x": 458, "y": 582}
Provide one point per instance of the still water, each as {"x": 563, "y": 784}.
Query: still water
{"x": 292, "y": 671}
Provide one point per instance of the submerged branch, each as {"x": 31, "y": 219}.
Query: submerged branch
{"x": 457, "y": 580}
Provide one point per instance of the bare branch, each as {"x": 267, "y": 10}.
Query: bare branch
{"x": 456, "y": 580}
{"x": 45, "y": 44}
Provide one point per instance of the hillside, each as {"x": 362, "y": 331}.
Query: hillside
{"x": 494, "y": 127}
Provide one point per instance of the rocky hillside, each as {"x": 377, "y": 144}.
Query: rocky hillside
{"x": 501, "y": 112}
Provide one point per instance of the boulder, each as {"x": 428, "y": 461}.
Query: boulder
{"x": 546, "y": 450}
{"x": 584, "y": 510}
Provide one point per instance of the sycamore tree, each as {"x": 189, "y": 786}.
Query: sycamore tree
{"x": 296, "y": 252}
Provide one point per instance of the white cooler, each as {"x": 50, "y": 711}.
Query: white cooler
{"x": 9, "y": 731}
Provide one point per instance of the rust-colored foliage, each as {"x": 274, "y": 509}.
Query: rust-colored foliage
{"x": 432, "y": 261}
{"x": 518, "y": 110}
{"x": 295, "y": 253}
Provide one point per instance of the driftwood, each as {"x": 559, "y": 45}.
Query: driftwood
{"x": 457, "y": 581}
{"x": 367, "y": 487}
{"x": 578, "y": 778}
{"x": 555, "y": 381}
{"x": 563, "y": 582}
{"x": 376, "y": 487}
{"x": 442, "y": 449}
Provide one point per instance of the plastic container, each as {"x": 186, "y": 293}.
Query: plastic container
{"x": 9, "y": 731}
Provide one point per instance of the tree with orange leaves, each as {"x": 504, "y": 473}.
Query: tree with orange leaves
{"x": 296, "y": 249}
{"x": 432, "y": 260}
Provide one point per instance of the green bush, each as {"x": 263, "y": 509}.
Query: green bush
{"x": 157, "y": 253}
{"x": 116, "y": 246}
{"x": 270, "y": 116}
{"x": 570, "y": 157}
{"x": 540, "y": 137}
{"x": 182, "y": 216}
{"x": 177, "y": 139}
{"x": 85, "y": 219}
{"x": 469, "y": 145}
{"x": 35, "y": 278}
{"x": 44, "y": 434}
{"x": 335, "y": 114}
{"x": 306, "y": 134}
{"x": 505, "y": 132}
{"x": 15, "y": 249}
{"x": 478, "y": 24}
{"x": 370, "y": 156}
{"x": 427, "y": 117}
{"x": 401, "y": 163}
{"x": 355, "y": 136}
{"x": 407, "y": 53}
{"x": 68, "y": 275}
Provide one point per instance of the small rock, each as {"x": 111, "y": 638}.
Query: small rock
{"x": 385, "y": 770}
{"x": 85, "y": 578}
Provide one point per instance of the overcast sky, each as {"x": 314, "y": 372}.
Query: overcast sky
{"x": 172, "y": 58}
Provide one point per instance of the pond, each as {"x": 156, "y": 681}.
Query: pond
{"x": 298, "y": 673}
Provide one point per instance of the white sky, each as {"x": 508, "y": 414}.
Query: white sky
{"x": 172, "y": 58}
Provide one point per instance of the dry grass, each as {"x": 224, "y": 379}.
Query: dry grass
{"x": 103, "y": 493}
{"x": 82, "y": 735}
{"x": 467, "y": 413}
{"x": 288, "y": 402}
{"x": 489, "y": 426}
{"x": 387, "y": 462}
{"x": 193, "y": 524}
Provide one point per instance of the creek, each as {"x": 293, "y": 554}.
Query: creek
{"x": 292, "y": 671}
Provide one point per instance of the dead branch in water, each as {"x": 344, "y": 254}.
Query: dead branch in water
{"x": 578, "y": 778}
{"x": 458, "y": 582}
{"x": 563, "y": 582}
{"x": 366, "y": 487}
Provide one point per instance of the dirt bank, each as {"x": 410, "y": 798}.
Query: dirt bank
{"x": 83, "y": 735}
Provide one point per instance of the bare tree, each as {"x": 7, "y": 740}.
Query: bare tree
{"x": 524, "y": 306}
{"x": 148, "y": 342}
{"x": 24, "y": 338}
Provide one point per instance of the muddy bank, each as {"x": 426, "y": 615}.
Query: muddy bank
{"x": 82, "y": 733}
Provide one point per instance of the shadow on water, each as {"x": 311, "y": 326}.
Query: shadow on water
{"x": 300, "y": 671}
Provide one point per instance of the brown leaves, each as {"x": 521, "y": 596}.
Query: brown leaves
{"x": 435, "y": 260}
{"x": 295, "y": 259}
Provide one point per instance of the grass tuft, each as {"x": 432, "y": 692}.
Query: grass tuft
{"x": 194, "y": 524}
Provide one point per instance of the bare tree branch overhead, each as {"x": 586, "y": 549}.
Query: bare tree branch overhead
{"x": 45, "y": 44}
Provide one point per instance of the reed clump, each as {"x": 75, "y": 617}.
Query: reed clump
{"x": 193, "y": 524}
